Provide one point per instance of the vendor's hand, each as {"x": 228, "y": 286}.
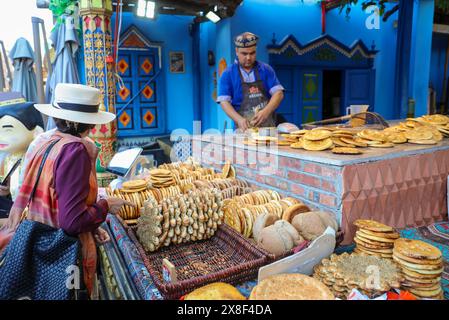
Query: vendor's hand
{"x": 115, "y": 204}
{"x": 243, "y": 124}
{"x": 101, "y": 236}
{"x": 260, "y": 117}
{"x": 4, "y": 190}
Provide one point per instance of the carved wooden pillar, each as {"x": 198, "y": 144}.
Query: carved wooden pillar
{"x": 97, "y": 43}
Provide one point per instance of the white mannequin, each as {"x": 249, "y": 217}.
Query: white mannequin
{"x": 14, "y": 141}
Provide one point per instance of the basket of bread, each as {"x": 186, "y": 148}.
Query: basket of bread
{"x": 279, "y": 226}
{"x": 187, "y": 231}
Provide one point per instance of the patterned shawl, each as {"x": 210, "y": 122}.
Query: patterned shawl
{"x": 44, "y": 206}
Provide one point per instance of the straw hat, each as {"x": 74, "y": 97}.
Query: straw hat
{"x": 77, "y": 103}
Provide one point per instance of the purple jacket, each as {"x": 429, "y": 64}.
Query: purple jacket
{"x": 71, "y": 172}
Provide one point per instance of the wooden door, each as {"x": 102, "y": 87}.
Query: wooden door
{"x": 145, "y": 114}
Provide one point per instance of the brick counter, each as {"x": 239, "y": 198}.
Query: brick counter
{"x": 405, "y": 186}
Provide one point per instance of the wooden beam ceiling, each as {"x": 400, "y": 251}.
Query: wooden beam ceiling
{"x": 226, "y": 8}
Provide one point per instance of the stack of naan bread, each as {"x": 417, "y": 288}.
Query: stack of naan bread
{"x": 422, "y": 267}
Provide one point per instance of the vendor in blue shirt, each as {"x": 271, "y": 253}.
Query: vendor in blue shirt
{"x": 249, "y": 91}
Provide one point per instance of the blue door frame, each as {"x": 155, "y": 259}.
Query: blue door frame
{"x": 140, "y": 98}
{"x": 300, "y": 69}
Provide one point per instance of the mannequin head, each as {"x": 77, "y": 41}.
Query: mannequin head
{"x": 20, "y": 123}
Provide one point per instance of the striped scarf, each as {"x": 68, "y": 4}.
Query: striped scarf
{"x": 43, "y": 207}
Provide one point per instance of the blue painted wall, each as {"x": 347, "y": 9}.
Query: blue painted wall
{"x": 303, "y": 20}
{"x": 439, "y": 44}
{"x": 282, "y": 17}
{"x": 209, "y": 109}
{"x": 420, "y": 62}
{"x": 224, "y": 49}
{"x": 173, "y": 31}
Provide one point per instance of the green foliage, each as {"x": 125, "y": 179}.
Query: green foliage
{"x": 382, "y": 5}
{"x": 346, "y": 5}
{"x": 443, "y": 5}
{"x": 61, "y": 7}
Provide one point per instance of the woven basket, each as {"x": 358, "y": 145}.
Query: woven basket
{"x": 226, "y": 257}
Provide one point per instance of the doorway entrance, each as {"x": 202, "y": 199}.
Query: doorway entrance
{"x": 332, "y": 85}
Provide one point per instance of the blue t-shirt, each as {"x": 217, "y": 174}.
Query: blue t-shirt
{"x": 230, "y": 87}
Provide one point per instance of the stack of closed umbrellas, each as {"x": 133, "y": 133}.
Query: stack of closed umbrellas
{"x": 374, "y": 238}
{"x": 422, "y": 267}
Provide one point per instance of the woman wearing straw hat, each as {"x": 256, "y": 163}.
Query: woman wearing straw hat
{"x": 66, "y": 190}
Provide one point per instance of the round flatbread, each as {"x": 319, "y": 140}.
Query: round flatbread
{"x": 362, "y": 246}
{"x": 373, "y": 244}
{"x": 133, "y": 190}
{"x": 418, "y": 261}
{"x": 396, "y": 138}
{"x": 417, "y": 249}
{"x": 338, "y": 142}
{"x": 367, "y": 245}
{"x": 299, "y": 132}
{"x": 341, "y": 131}
{"x": 226, "y": 168}
{"x": 346, "y": 150}
{"x": 382, "y": 145}
{"x": 388, "y": 235}
{"x": 421, "y": 286}
{"x": 430, "y": 141}
{"x": 316, "y": 135}
{"x": 418, "y": 274}
{"x": 425, "y": 293}
{"x": 284, "y": 142}
{"x": 354, "y": 142}
{"x": 359, "y": 142}
{"x": 134, "y": 185}
{"x": 386, "y": 255}
{"x": 421, "y": 280}
{"x": 436, "y": 119}
{"x": 419, "y": 267}
{"x": 373, "y": 135}
{"x": 372, "y": 225}
{"x": 160, "y": 172}
{"x": 294, "y": 210}
{"x": 374, "y": 238}
{"x": 215, "y": 291}
{"x": 297, "y": 145}
{"x": 319, "y": 145}
{"x": 291, "y": 287}
{"x": 264, "y": 139}
{"x": 418, "y": 134}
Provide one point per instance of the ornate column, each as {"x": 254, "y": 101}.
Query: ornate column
{"x": 99, "y": 70}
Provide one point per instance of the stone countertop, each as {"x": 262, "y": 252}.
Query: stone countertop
{"x": 327, "y": 157}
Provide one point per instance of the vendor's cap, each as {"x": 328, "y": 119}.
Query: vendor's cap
{"x": 246, "y": 40}
{"x": 77, "y": 103}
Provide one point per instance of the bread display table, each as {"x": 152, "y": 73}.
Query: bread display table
{"x": 404, "y": 186}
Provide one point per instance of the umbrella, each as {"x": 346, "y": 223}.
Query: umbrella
{"x": 24, "y": 79}
{"x": 65, "y": 43}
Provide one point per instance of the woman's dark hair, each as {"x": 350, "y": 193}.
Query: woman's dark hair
{"x": 73, "y": 128}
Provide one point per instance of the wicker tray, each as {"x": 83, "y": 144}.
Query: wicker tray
{"x": 226, "y": 257}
